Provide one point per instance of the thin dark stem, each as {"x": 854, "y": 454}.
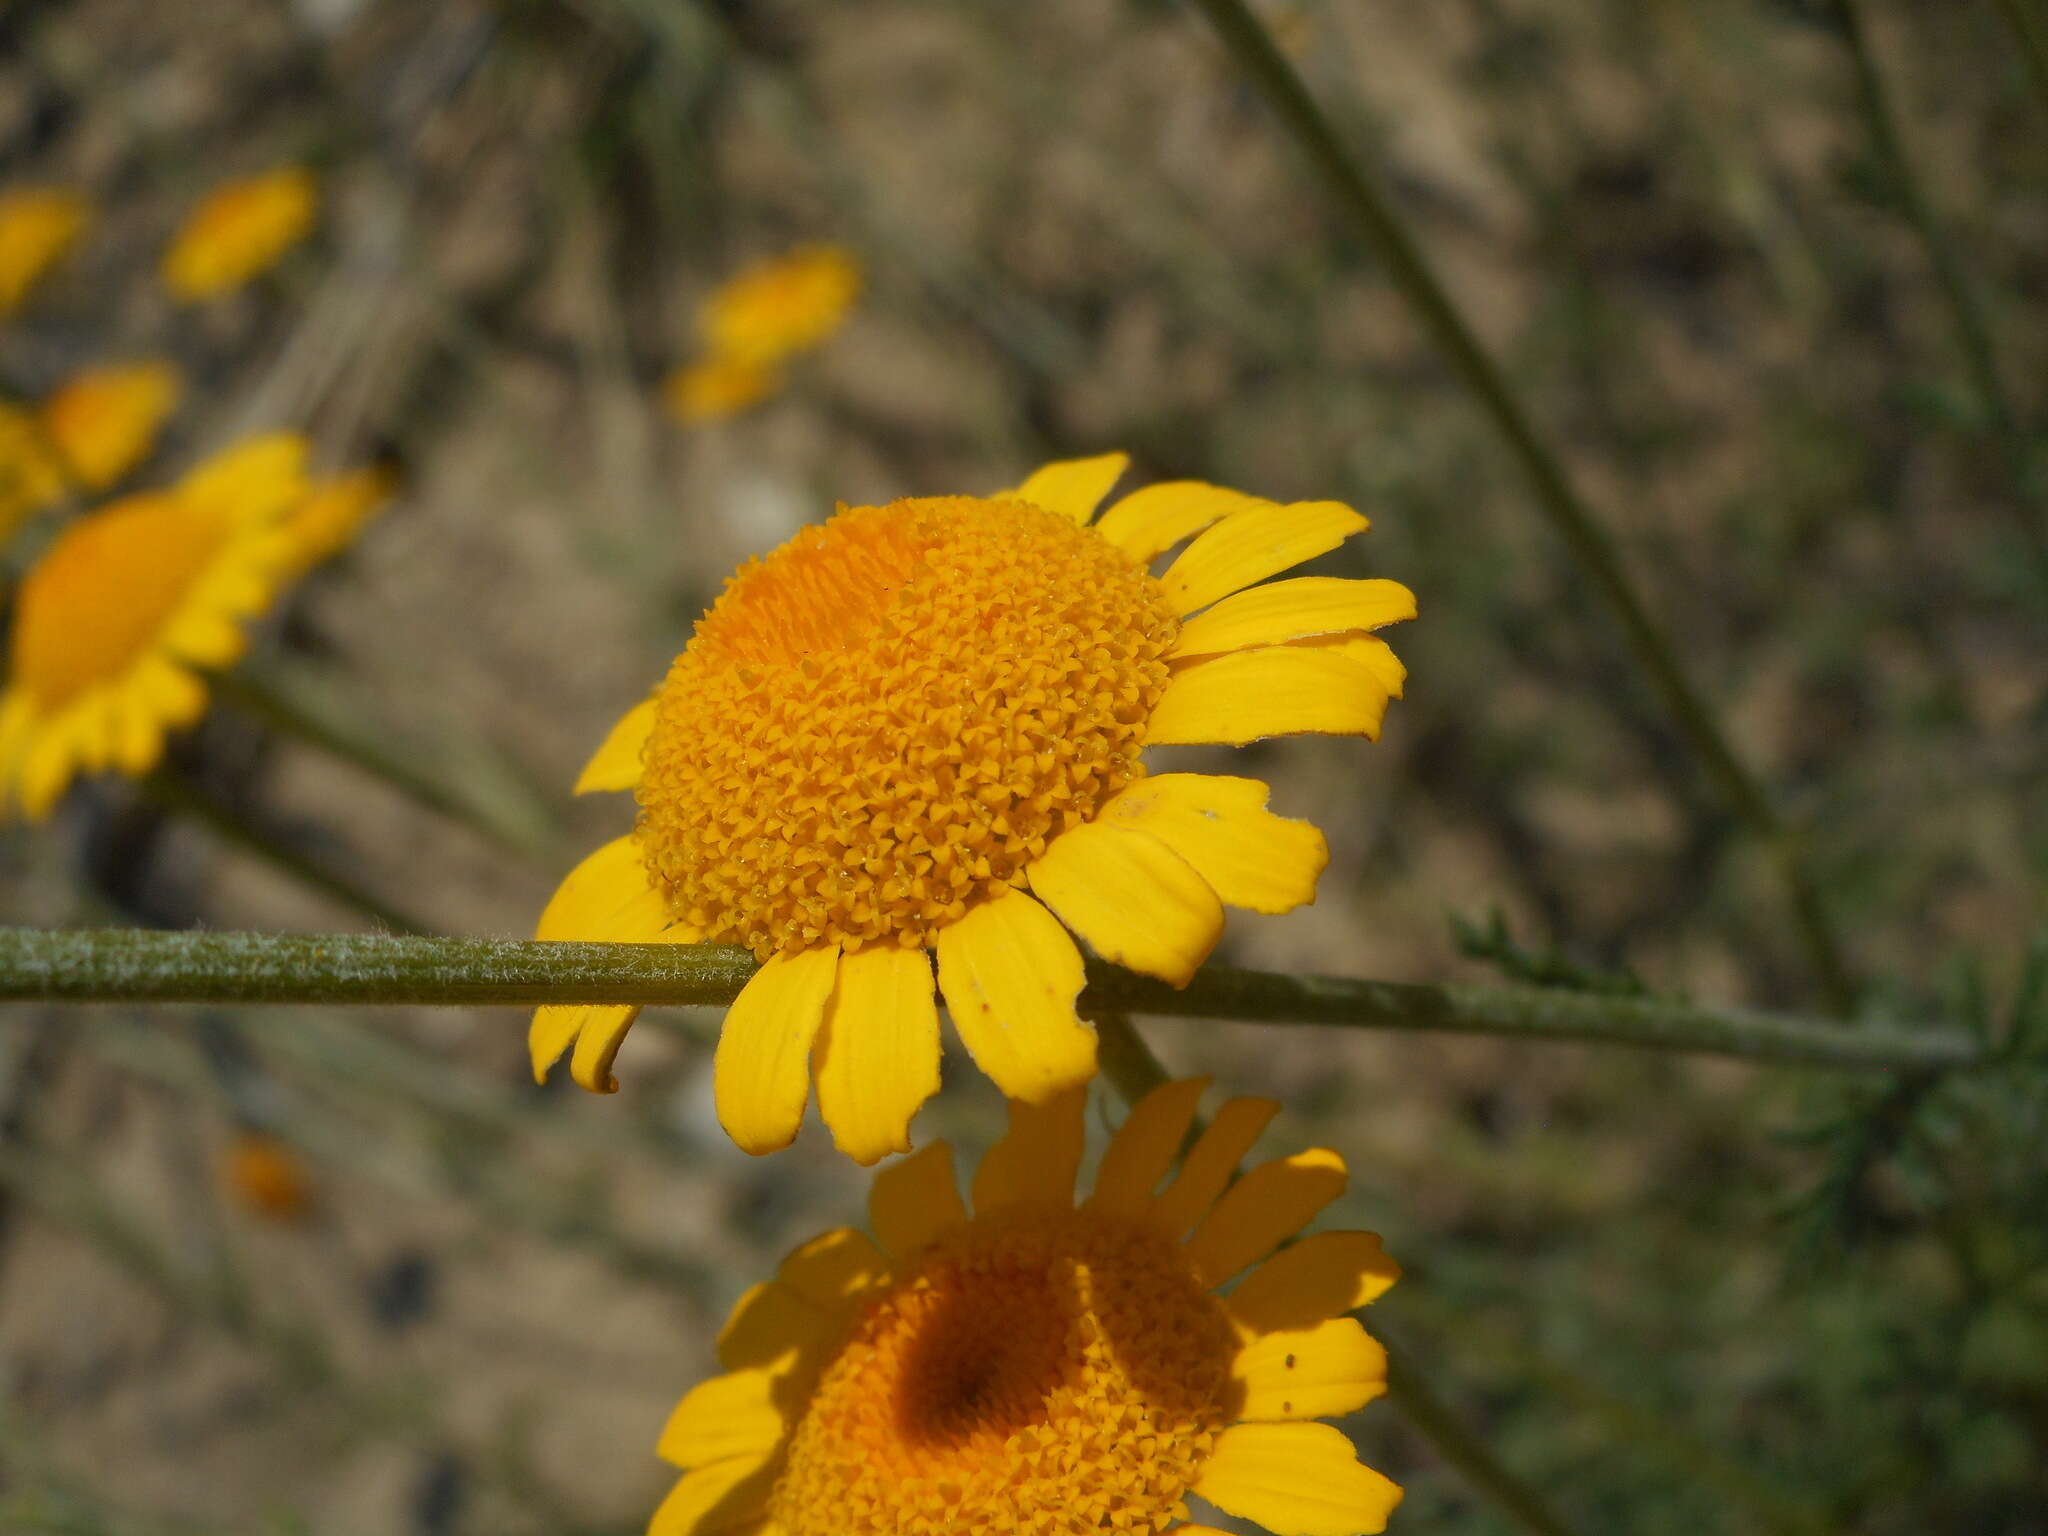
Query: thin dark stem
{"x": 1357, "y": 192}
{"x": 123, "y": 965}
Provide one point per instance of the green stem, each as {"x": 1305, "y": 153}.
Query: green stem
{"x": 1434, "y": 1421}
{"x": 1127, "y": 1061}
{"x": 183, "y": 798}
{"x": 1965, "y": 305}
{"x": 2027, "y": 26}
{"x": 1358, "y": 193}
{"x": 145, "y": 966}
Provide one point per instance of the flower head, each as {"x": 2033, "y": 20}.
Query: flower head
{"x": 267, "y": 1178}
{"x": 917, "y": 729}
{"x": 780, "y": 306}
{"x": 1038, "y": 1366}
{"x": 37, "y": 226}
{"x": 129, "y": 604}
{"x": 104, "y": 422}
{"x": 239, "y": 231}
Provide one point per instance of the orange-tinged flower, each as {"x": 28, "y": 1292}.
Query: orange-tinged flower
{"x": 105, "y": 421}
{"x": 37, "y": 226}
{"x": 915, "y": 730}
{"x": 1042, "y": 1366}
{"x": 239, "y": 231}
{"x": 719, "y": 387}
{"x": 113, "y": 625}
{"x": 780, "y": 306}
{"x": 266, "y": 1176}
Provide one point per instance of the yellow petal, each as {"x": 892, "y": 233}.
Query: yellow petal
{"x": 878, "y": 1059}
{"x": 1072, "y": 487}
{"x": 1296, "y": 1480}
{"x": 834, "y": 1270}
{"x": 1134, "y": 899}
{"x": 254, "y": 481}
{"x": 598, "y": 1038}
{"x": 606, "y": 898}
{"x": 1280, "y": 611}
{"x": 1324, "y": 1275}
{"x": 1255, "y": 543}
{"x": 911, "y": 1202}
{"x": 1036, "y": 1162}
{"x": 1250, "y": 857}
{"x": 1322, "y": 1372}
{"x": 1211, "y": 1162}
{"x": 618, "y": 762}
{"x": 1149, "y": 522}
{"x": 761, "y": 1072}
{"x": 1262, "y": 1210}
{"x": 714, "y": 1498}
{"x": 770, "y": 1325}
{"x": 727, "y": 1416}
{"x": 1279, "y": 690}
{"x": 1145, "y": 1146}
{"x": 1370, "y": 652}
{"x": 1010, "y": 976}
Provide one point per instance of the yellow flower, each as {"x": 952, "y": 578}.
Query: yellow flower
{"x": 267, "y": 1178}
{"x": 239, "y": 231}
{"x": 336, "y": 511}
{"x": 1041, "y": 1367}
{"x": 719, "y": 387}
{"x": 917, "y": 728}
{"x": 106, "y": 420}
{"x": 37, "y": 226}
{"x": 780, "y": 306}
{"x": 30, "y": 478}
{"x": 113, "y": 624}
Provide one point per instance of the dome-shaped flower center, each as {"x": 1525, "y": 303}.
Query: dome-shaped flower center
{"x": 1042, "y": 1370}
{"x": 886, "y": 720}
{"x": 103, "y": 589}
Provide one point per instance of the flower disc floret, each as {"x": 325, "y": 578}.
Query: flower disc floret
{"x": 881, "y": 725}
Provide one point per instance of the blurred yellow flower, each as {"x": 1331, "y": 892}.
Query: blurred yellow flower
{"x": 917, "y": 728}
{"x": 1038, "y": 1366}
{"x": 239, "y": 231}
{"x": 105, "y": 421}
{"x": 30, "y": 478}
{"x": 37, "y": 226}
{"x": 780, "y": 306}
{"x": 719, "y": 387}
{"x": 267, "y": 1178}
{"x": 337, "y": 510}
{"x": 113, "y": 625}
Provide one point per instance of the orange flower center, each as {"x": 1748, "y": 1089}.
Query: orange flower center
{"x": 103, "y": 590}
{"x": 882, "y": 723}
{"x": 1045, "y": 1370}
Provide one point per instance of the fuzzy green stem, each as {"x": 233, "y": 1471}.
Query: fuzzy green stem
{"x": 141, "y": 966}
{"x": 1358, "y": 193}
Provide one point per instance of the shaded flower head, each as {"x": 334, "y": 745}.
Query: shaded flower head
{"x": 916, "y": 729}
{"x": 37, "y": 226}
{"x": 239, "y": 231}
{"x": 779, "y": 306}
{"x": 130, "y": 604}
{"x": 1042, "y": 1366}
{"x": 105, "y": 421}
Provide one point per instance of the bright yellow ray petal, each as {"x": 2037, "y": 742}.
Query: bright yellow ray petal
{"x": 46, "y": 772}
{"x": 1010, "y": 975}
{"x": 1134, "y": 899}
{"x": 724, "y": 1417}
{"x": 1262, "y": 1210}
{"x": 1296, "y": 1480}
{"x": 714, "y": 1498}
{"x": 1250, "y": 857}
{"x": 1255, "y": 543}
{"x": 1370, "y": 652}
{"x": 770, "y": 1325}
{"x": 911, "y": 1202}
{"x": 1278, "y": 690}
{"x": 1280, "y": 611}
{"x": 606, "y": 898}
{"x": 1211, "y": 1162}
{"x": 834, "y": 1270}
{"x": 1322, "y": 1372}
{"x": 1324, "y": 1275}
{"x": 616, "y": 764}
{"x": 761, "y": 1071}
{"x": 598, "y": 1038}
{"x": 1150, "y": 521}
{"x": 1037, "y": 1160}
{"x": 1145, "y": 1146}
{"x": 1072, "y": 487}
{"x": 878, "y": 1059}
